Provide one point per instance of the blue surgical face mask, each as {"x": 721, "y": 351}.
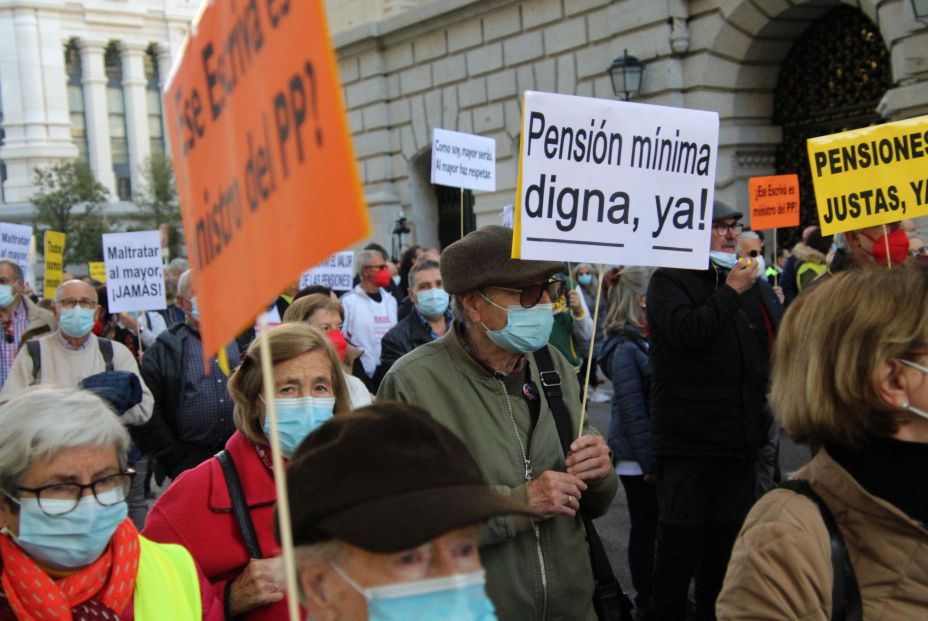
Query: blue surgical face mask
{"x": 459, "y": 597}
{"x": 527, "y": 329}
{"x": 77, "y": 322}
{"x": 194, "y": 309}
{"x": 585, "y": 279}
{"x": 6, "y": 295}
{"x": 74, "y": 539}
{"x": 432, "y": 302}
{"x": 725, "y": 260}
{"x": 297, "y": 418}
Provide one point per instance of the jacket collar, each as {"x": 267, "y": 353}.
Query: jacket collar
{"x": 457, "y": 346}
{"x": 849, "y": 499}
{"x": 257, "y": 481}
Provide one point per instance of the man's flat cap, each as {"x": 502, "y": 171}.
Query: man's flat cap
{"x": 721, "y": 211}
{"x": 482, "y": 259}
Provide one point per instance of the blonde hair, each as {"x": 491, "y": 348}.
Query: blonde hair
{"x": 304, "y": 308}
{"x": 623, "y": 299}
{"x": 831, "y": 349}
{"x": 286, "y": 341}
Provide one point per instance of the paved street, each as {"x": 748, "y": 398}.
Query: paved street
{"x": 613, "y": 527}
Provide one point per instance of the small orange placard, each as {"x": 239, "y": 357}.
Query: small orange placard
{"x": 266, "y": 174}
{"x": 774, "y": 202}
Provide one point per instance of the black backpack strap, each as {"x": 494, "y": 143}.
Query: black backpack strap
{"x": 239, "y": 507}
{"x": 106, "y": 350}
{"x": 609, "y": 600}
{"x": 845, "y": 593}
{"x": 35, "y": 352}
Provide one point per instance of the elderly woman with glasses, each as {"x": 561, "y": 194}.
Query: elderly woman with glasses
{"x": 223, "y": 510}
{"x": 67, "y": 548}
{"x": 850, "y": 376}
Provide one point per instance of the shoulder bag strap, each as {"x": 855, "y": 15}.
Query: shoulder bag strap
{"x": 845, "y": 593}
{"x": 35, "y": 352}
{"x": 106, "y": 350}
{"x": 239, "y": 507}
{"x": 610, "y": 600}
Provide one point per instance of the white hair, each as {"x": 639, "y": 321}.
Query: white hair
{"x": 179, "y": 264}
{"x": 41, "y": 421}
{"x": 365, "y": 258}
{"x": 59, "y": 292}
{"x": 749, "y": 235}
{"x": 184, "y": 283}
{"x": 317, "y": 554}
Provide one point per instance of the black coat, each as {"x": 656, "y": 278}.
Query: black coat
{"x": 710, "y": 364}
{"x": 402, "y": 338}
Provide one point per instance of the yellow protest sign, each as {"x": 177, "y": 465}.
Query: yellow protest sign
{"x": 266, "y": 173}
{"x": 870, "y": 176}
{"x": 54, "y": 262}
{"x": 98, "y": 271}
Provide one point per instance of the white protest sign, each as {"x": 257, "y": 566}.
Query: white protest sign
{"x": 463, "y": 160}
{"x": 615, "y": 182}
{"x": 15, "y": 244}
{"x": 336, "y": 272}
{"x": 134, "y": 272}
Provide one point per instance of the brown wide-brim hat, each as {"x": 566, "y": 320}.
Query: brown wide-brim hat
{"x": 388, "y": 478}
{"x": 483, "y": 259}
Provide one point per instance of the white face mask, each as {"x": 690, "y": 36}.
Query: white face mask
{"x": 906, "y": 406}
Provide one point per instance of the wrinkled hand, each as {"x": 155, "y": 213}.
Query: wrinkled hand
{"x": 576, "y": 306}
{"x": 556, "y": 493}
{"x": 780, "y": 295}
{"x": 741, "y": 277}
{"x": 261, "y": 583}
{"x": 589, "y": 459}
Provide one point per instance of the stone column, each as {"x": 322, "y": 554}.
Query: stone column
{"x": 134, "y": 84}
{"x": 98, "y": 132}
{"x": 30, "y": 70}
{"x": 164, "y": 69}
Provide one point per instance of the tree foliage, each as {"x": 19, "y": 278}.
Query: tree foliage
{"x": 157, "y": 200}
{"x": 70, "y": 200}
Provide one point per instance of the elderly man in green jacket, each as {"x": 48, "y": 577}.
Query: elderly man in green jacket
{"x": 481, "y": 381}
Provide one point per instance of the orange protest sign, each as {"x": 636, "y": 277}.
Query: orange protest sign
{"x": 265, "y": 169}
{"x": 774, "y": 202}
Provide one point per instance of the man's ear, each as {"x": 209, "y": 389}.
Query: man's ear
{"x": 315, "y": 583}
{"x": 470, "y": 301}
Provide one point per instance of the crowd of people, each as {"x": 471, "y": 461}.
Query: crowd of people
{"x": 436, "y": 462}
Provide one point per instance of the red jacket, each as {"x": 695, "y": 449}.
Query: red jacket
{"x": 196, "y": 512}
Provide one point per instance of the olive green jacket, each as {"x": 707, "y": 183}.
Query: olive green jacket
{"x": 535, "y": 570}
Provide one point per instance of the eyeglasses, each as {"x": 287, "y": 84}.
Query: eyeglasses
{"x": 722, "y": 229}
{"x": 85, "y": 303}
{"x": 61, "y": 498}
{"x": 530, "y": 295}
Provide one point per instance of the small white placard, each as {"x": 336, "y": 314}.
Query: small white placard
{"x": 336, "y": 272}
{"x": 463, "y": 160}
{"x": 134, "y": 272}
{"x": 15, "y": 243}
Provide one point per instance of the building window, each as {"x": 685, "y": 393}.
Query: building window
{"x": 116, "y": 108}
{"x": 153, "y": 98}
{"x": 72, "y": 64}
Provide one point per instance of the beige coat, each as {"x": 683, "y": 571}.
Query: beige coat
{"x": 781, "y": 565}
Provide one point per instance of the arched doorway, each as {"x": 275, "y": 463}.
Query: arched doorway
{"x": 831, "y": 81}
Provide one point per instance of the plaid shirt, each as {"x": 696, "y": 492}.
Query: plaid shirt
{"x": 9, "y": 342}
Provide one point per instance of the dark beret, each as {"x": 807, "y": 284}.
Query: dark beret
{"x": 482, "y": 259}
{"x": 721, "y": 211}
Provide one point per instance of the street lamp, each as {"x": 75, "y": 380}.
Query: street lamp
{"x": 920, "y": 8}
{"x": 626, "y": 71}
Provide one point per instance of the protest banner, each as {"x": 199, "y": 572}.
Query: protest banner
{"x": 870, "y": 176}
{"x": 15, "y": 245}
{"x": 134, "y": 271}
{"x": 54, "y": 262}
{"x": 266, "y": 173}
{"x": 336, "y": 273}
{"x": 774, "y": 201}
{"x": 97, "y": 270}
{"x": 614, "y": 182}
{"x": 262, "y": 156}
{"x": 464, "y": 161}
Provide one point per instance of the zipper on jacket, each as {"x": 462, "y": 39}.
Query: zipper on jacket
{"x": 529, "y": 475}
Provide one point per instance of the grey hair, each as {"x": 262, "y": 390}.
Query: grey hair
{"x": 179, "y": 265}
{"x": 16, "y": 267}
{"x": 364, "y": 258}
{"x": 184, "y": 283}
{"x": 460, "y": 314}
{"x": 749, "y": 235}
{"x": 317, "y": 554}
{"x": 42, "y": 421}
{"x": 421, "y": 266}
{"x": 59, "y": 292}
{"x": 623, "y": 302}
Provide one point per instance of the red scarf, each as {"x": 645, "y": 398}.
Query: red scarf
{"x": 35, "y": 596}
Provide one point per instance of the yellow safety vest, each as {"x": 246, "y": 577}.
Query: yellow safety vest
{"x": 167, "y": 585}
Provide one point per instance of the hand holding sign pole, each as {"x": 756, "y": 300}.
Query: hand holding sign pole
{"x": 260, "y": 160}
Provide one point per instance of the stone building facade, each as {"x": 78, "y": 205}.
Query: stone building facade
{"x": 462, "y": 65}
{"x": 81, "y": 79}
